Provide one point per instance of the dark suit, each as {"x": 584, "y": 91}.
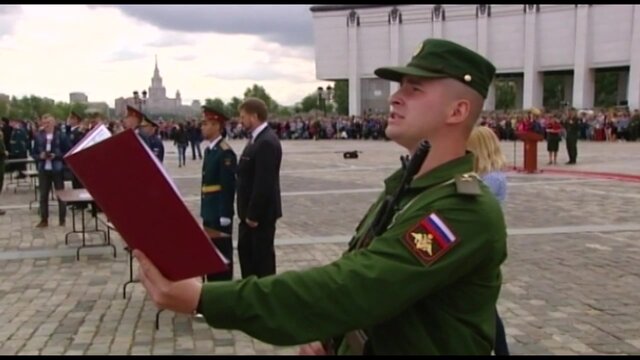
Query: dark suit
{"x": 259, "y": 200}
{"x": 573, "y": 132}
{"x": 75, "y": 135}
{"x": 54, "y": 175}
{"x": 218, "y": 193}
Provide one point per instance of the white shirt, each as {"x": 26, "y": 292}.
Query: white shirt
{"x": 258, "y": 130}
{"x": 214, "y": 142}
{"x": 47, "y": 163}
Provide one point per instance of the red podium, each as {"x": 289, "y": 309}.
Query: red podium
{"x": 530, "y": 140}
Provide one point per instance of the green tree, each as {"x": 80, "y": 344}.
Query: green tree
{"x": 259, "y": 92}
{"x": 284, "y": 111}
{"x": 309, "y": 102}
{"x": 553, "y": 92}
{"x": 606, "y": 89}
{"x": 505, "y": 95}
{"x": 232, "y": 106}
{"x": 341, "y": 96}
{"x": 217, "y": 104}
{"x": 4, "y": 107}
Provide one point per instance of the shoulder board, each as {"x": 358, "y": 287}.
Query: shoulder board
{"x": 224, "y": 145}
{"x": 468, "y": 184}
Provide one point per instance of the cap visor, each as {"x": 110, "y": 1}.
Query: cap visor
{"x": 397, "y": 73}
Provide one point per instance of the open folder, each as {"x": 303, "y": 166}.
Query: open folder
{"x": 139, "y": 198}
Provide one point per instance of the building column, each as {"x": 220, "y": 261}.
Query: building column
{"x": 353, "y": 24}
{"x": 482, "y": 26}
{"x": 533, "y": 79}
{"x": 583, "y": 76}
{"x": 633, "y": 81}
{"x": 568, "y": 87}
{"x": 395, "y": 19}
{"x": 490, "y": 101}
{"x": 437, "y": 16}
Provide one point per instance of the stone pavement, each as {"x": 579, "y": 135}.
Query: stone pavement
{"x": 571, "y": 280}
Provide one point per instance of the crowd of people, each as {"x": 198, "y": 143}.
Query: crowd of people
{"x": 593, "y": 125}
{"x": 435, "y": 233}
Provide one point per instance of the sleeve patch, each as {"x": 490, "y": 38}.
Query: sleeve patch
{"x": 430, "y": 238}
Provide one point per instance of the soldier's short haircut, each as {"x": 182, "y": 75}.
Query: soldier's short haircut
{"x": 254, "y": 106}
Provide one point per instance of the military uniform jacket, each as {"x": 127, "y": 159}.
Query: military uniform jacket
{"x": 427, "y": 285}
{"x": 75, "y": 135}
{"x": 18, "y": 142}
{"x": 218, "y": 184}
{"x": 259, "y": 179}
{"x": 156, "y": 146}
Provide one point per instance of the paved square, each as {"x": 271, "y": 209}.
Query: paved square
{"x": 571, "y": 281}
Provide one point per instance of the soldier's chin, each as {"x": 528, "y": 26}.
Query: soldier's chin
{"x": 392, "y": 132}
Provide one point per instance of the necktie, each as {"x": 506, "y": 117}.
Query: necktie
{"x": 207, "y": 151}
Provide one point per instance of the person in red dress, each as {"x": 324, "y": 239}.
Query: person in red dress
{"x": 553, "y": 129}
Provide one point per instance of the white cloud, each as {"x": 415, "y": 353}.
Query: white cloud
{"x": 54, "y": 50}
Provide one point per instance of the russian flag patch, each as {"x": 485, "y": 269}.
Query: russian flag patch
{"x": 430, "y": 238}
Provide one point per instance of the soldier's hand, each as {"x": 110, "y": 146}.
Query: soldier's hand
{"x": 225, "y": 221}
{"x": 315, "y": 348}
{"x": 43, "y": 155}
{"x": 251, "y": 223}
{"x": 179, "y": 296}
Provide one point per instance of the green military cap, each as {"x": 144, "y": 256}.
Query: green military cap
{"x": 148, "y": 121}
{"x": 214, "y": 114}
{"x": 75, "y": 114}
{"x": 438, "y": 58}
{"x": 93, "y": 112}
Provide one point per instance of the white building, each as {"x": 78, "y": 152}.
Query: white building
{"x": 523, "y": 41}
{"x": 78, "y": 97}
{"x": 157, "y": 101}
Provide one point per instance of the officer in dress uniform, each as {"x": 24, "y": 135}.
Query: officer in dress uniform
{"x": 148, "y": 128}
{"x": 218, "y": 186}
{"x": 426, "y": 282}
{"x": 75, "y": 134}
{"x": 133, "y": 120}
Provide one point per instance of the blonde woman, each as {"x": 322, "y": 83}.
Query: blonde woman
{"x": 489, "y": 164}
{"x": 489, "y": 160}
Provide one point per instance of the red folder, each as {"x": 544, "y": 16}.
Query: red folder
{"x": 139, "y": 198}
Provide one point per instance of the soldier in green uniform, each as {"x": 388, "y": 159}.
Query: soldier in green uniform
{"x": 218, "y": 186}
{"x": 573, "y": 131}
{"x": 429, "y": 282}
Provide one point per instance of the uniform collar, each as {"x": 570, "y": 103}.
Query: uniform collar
{"x": 440, "y": 174}
{"x": 215, "y": 142}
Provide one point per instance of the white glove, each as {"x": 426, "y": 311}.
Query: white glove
{"x": 225, "y": 221}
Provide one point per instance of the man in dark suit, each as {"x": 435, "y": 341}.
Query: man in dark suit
{"x": 218, "y": 187}
{"x": 75, "y": 134}
{"x": 259, "y": 205}
{"x": 49, "y": 148}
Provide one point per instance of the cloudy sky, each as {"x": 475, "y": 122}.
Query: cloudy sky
{"x": 203, "y": 50}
